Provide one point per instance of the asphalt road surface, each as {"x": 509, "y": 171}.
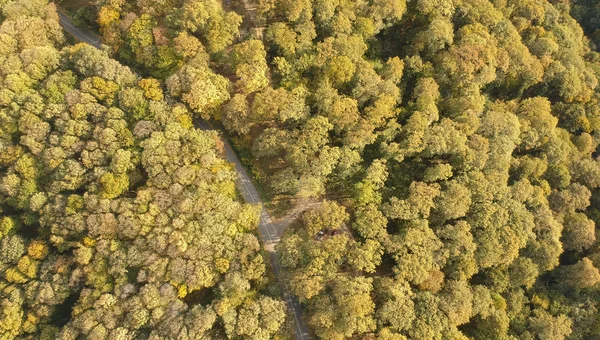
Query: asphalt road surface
{"x": 80, "y": 34}
{"x": 268, "y": 232}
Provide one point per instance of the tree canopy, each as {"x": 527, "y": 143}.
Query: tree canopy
{"x": 449, "y": 150}
{"x": 118, "y": 218}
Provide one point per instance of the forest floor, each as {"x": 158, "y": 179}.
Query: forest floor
{"x": 250, "y": 25}
{"x": 282, "y": 222}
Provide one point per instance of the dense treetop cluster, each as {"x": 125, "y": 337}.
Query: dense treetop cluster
{"x": 118, "y": 219}
{"x": 587, "y": 12}
{"x": 459, "y": 139}
{"x": 451, "y": 145}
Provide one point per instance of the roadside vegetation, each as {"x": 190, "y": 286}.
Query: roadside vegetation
{"x": 118, "y": 219}
{"x": 448, "y": 149}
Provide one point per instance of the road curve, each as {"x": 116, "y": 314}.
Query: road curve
{"x": 267, "y": 231}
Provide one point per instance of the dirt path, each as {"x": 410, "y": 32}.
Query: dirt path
{"x": 250, "y": 25}
{"x": 282, "y": 223}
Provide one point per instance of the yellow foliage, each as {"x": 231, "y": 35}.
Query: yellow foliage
{"x": 37, "y": 249}
{"x": 100, "y": 88}
{"x": 10, "y": 154}
{"x": 31, "y": 323}
{"x": 13, "y": 275}
{"x": 151, "y": 89}
{"x": 540, "y": 300}
{"x": 223, "y": 306}
{"x": 499, "y": 301}
{"x": 26, "y": 166}
{"x": 113, "y": 185}
{"x": 89, "y": 242}
{"x": 185, "y": 120}
{"x": 222, "y": 265}
{"x": 182, "y": 291}
{"x": 114, "y": 245}
{"x": 6, "y": 225}
{"x": 107, "y": 15}
{"x": 28, "y": 267}
{"x": 74, "y": 204}
{"x": 227, "y": 188}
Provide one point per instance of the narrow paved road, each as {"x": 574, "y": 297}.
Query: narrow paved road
{"x": 80, "y": 34}
{"x": 269, "y": 233}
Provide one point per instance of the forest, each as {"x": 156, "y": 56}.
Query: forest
{"x": 444, "y": 157}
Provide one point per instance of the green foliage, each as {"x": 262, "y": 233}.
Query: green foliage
{"x": 451, "y": 146}
{"x": 475, "y": 126}
{"x": 200, "y": 88}
{"x": 118, "y": 218}
{"x": 328, "y": 217}
{"x": 160, "y": 36}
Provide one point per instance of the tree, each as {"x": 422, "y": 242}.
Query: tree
{"x": 393, "y": 70}
{"x": 397, "y": 309}
{"x": 189, "y": 47}
{"x": 366, "y": 256}
{"x": 280, "y": 104}
{"x": 455, "y": 142}
{"x": 548, "y": 327}
{"x": 282, "y": 37}
{"x": 501, "y": 231}
{"x": 140, "y": 39}
{"x": 248, "y": 61}
{"x": 388, "y": 11}
{"x": 579, "y": 232}
{"x": 120, "y": 219}
{"x": 454, "y": 201}
{"x": 260, "y": 319}
{"x": 581, "y": 275}
{"x": 370, "y": 223}
{"x": 329, "y": 216}
{"x": 417, "y": 245}
{"x": 236, "y": 115}
{"x": 537, "y": 122}
{"x": 574, "y": 197}
{"x": 459, "y": 241}
{"x": 340, "y": 70}
{"x": 456, "y": 302}
{"x": 429, "y": 322}
{"x": 418, "y": 204}
{"x": 200, "y": 88}
{"x": 349, "y": 310}
{"x": 523, "y": 272}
